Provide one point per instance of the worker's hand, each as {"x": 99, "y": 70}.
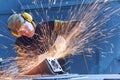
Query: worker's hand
{"x": 60, "y": 44}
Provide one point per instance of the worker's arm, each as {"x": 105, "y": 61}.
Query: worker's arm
{"x": 32, "y": 65}
{"x": 20, "y": 53}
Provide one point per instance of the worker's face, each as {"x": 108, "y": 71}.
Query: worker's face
{"x": 27, "y": 30}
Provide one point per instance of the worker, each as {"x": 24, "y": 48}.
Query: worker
{"x": 32, "y": 40}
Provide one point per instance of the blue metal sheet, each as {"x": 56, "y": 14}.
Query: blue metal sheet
{"x": 71, "y": 77}
{"x": 82, "y": 77}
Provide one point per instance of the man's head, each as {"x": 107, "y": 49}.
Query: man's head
{"x": 21, "y": 25}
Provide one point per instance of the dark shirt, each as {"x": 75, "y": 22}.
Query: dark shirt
{"x": 42, "y": 40}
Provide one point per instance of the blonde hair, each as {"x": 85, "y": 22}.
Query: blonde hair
{"x": 15, "y": 21}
